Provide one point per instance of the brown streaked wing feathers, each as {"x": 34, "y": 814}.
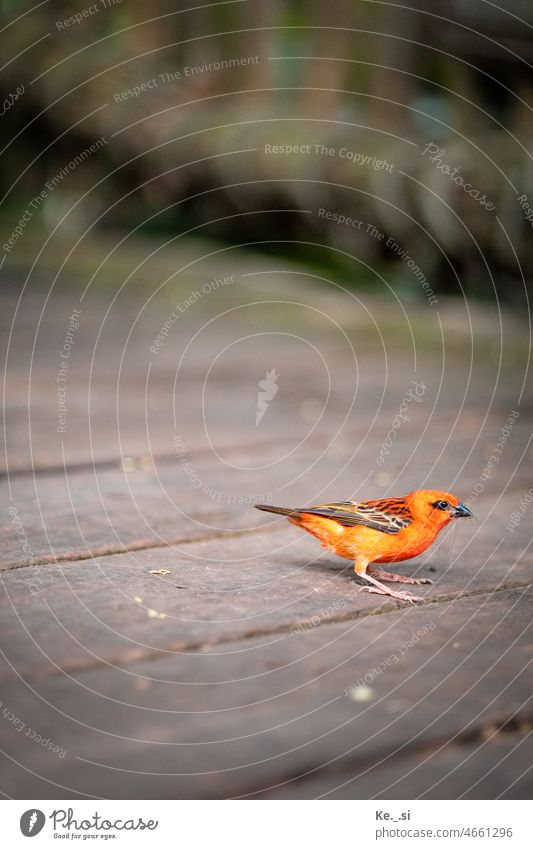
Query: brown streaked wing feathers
{"x": 389, "y": 515}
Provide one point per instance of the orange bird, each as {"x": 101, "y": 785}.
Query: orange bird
{"x": 382, "y": 531}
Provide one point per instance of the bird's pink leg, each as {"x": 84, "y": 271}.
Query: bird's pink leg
{"x": 394, "y": 578}
{"x": 360, "y": 568}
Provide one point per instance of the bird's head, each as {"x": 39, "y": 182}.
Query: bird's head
{"x": 436, "y": 506}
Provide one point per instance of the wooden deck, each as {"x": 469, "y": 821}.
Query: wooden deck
{"x": 162, "y": 639}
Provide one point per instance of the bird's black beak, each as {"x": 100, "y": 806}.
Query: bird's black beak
{"x": 461, "y": 510}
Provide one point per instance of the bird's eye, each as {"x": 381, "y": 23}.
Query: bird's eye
{"x": 441, "y": 505}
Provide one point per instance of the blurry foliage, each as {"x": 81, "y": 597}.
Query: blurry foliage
{"x": 368, "y": 93}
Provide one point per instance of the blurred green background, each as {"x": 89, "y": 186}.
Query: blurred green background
{"x": 187, "y": 103}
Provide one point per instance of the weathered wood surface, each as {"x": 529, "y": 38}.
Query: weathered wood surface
{"x": 358, "y": 353}
{"x": 74, "y": 614}
{"x": 229, "y": 673}
{"x": 245, "y": 716}
{"x": 73, "y": 514}
{"x": 496, "y": 764}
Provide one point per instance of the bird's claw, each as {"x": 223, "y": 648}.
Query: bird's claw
{"x": 408, "y": 597}
{"x": 400, "y": 596}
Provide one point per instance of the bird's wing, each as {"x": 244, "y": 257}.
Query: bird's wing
{"x": 389, "y": 515}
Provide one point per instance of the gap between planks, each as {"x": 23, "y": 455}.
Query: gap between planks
{"x": 146, "y": 544}
{"x": 131, "y": 657}
{"x": 488, "y": 732}
{"x": 116, "y": 462}
{"x": 135, "y": 545}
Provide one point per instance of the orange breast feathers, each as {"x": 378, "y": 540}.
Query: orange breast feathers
{"x": 382, "y": 531}
{"x": 376, "y": 546}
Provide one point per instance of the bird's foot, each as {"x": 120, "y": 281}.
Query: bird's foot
{"x": 401, "y": 596}
{"x": 394, "y": 578}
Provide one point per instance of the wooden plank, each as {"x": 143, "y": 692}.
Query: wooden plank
{"x": 129, "y": 393}
{"x": 94, "y": 512}
{"x": 240, "y": 719}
